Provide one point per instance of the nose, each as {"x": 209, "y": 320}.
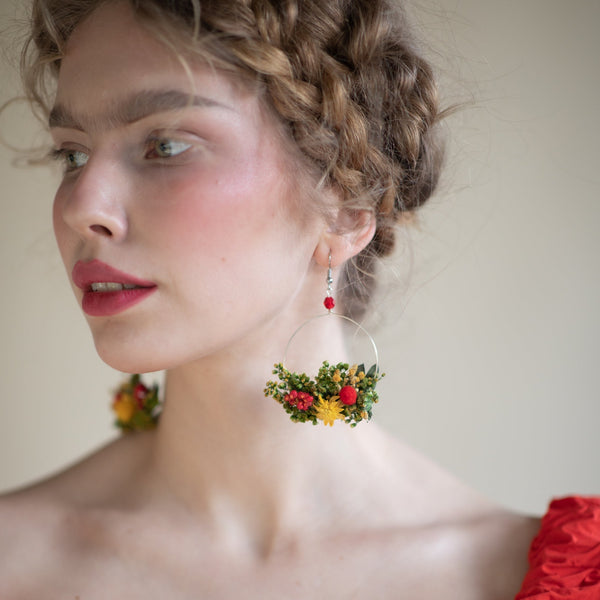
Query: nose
{"x": 93, "y": 203}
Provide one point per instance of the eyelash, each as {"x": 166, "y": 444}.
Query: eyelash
{"x": 62, "y": 155}
{"x": 162, "y": 144}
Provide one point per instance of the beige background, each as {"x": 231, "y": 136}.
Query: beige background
{"x": 492, "y": 347}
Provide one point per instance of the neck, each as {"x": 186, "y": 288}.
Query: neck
{"x": 232, "y": 456}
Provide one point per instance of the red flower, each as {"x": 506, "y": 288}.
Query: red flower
{"x": 300, "y": 400}
{"x": 140, "y": 391}
{"x": 348, "y": 395}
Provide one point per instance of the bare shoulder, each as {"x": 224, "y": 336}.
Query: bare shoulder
{"x": 43, "y": 524}
{"x": 483, "y": 557}
{"x": 502, "y": 540}
{"x": 490, "y": 551}
{"x": 28, "y": 543}
{"x": 454, "y": 535}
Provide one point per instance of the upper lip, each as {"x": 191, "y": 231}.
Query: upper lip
{"x": 95, "y": 271}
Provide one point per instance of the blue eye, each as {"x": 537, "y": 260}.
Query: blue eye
{"x": 166, "y": 148}
{"x": 72, "y": 159}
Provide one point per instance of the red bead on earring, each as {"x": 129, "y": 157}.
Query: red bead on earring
{"x": 329, "y": 302}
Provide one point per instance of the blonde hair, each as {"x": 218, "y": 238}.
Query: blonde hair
{"x": 345, "y": 77}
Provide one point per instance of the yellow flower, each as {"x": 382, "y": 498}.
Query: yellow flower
{"x": 336, "y": 376}
{"x": 361, "y": 376}
{"x": 352, "y": 370}
{"x": 124, "y": 407}
{"x": 329, "y": 410}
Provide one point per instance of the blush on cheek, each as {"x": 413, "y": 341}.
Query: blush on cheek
{"x": 207, "y": 199}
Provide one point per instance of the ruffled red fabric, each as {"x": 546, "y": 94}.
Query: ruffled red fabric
{"x": 564, "y": 557}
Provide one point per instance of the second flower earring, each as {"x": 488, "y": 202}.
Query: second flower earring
{"x": 340, "y": 391}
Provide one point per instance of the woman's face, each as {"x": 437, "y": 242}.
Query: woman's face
{"x": 182, "y": 189}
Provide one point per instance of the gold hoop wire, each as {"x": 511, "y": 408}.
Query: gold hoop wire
{"x": 339, "y": 316}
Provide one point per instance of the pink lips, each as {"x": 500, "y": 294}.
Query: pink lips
{"x": 107, "y": 303}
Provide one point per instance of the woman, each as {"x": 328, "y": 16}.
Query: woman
{"x": 218, "y": 159}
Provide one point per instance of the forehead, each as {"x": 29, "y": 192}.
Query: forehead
{"x": 109, "y": 40}
{"x": 114, "y": 66}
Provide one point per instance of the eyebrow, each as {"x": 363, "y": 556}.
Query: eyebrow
{"x": 132, "y": 109}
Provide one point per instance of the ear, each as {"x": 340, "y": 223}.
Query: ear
{"x": 345, "y": 237}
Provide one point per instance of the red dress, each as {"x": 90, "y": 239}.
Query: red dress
{"x": 564, "y": 557}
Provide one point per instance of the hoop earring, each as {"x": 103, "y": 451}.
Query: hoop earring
{"x": 338, "y": 392}
{"x": 136, "y": 406}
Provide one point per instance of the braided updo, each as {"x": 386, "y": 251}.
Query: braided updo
{"x": 344, "y": 76}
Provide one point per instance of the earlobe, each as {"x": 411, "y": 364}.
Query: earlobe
{"x": 347, "y": 241}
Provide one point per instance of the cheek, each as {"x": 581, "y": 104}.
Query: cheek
{"x": 226, "y": 234}
{"x": 226, "y": 212}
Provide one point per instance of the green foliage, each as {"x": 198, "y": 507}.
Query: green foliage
{"x": 326, "y": 387}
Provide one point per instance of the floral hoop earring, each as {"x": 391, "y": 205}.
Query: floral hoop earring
{"x": 339, "y": 391}
{"x": 136, "y": 406}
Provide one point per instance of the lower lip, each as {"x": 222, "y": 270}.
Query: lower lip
{"x": 105, "y": 304}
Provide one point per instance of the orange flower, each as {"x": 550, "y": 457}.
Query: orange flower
{"x": 124, "y": 406}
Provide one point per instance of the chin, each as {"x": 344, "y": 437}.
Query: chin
{"x": 127, "y": 365}
{"x": 124, "y": 358}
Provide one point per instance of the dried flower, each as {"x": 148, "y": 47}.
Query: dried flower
{"x": 329, "y": 410}
{"x": 140, "y": 391}
{"x": 348, "y": 395}
{"x": 124, "y": 406}
{"x": 322, "y": 399}
{"x": 301, "y": 400}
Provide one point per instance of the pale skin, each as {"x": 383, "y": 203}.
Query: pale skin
{"x": 226, "y": 498}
